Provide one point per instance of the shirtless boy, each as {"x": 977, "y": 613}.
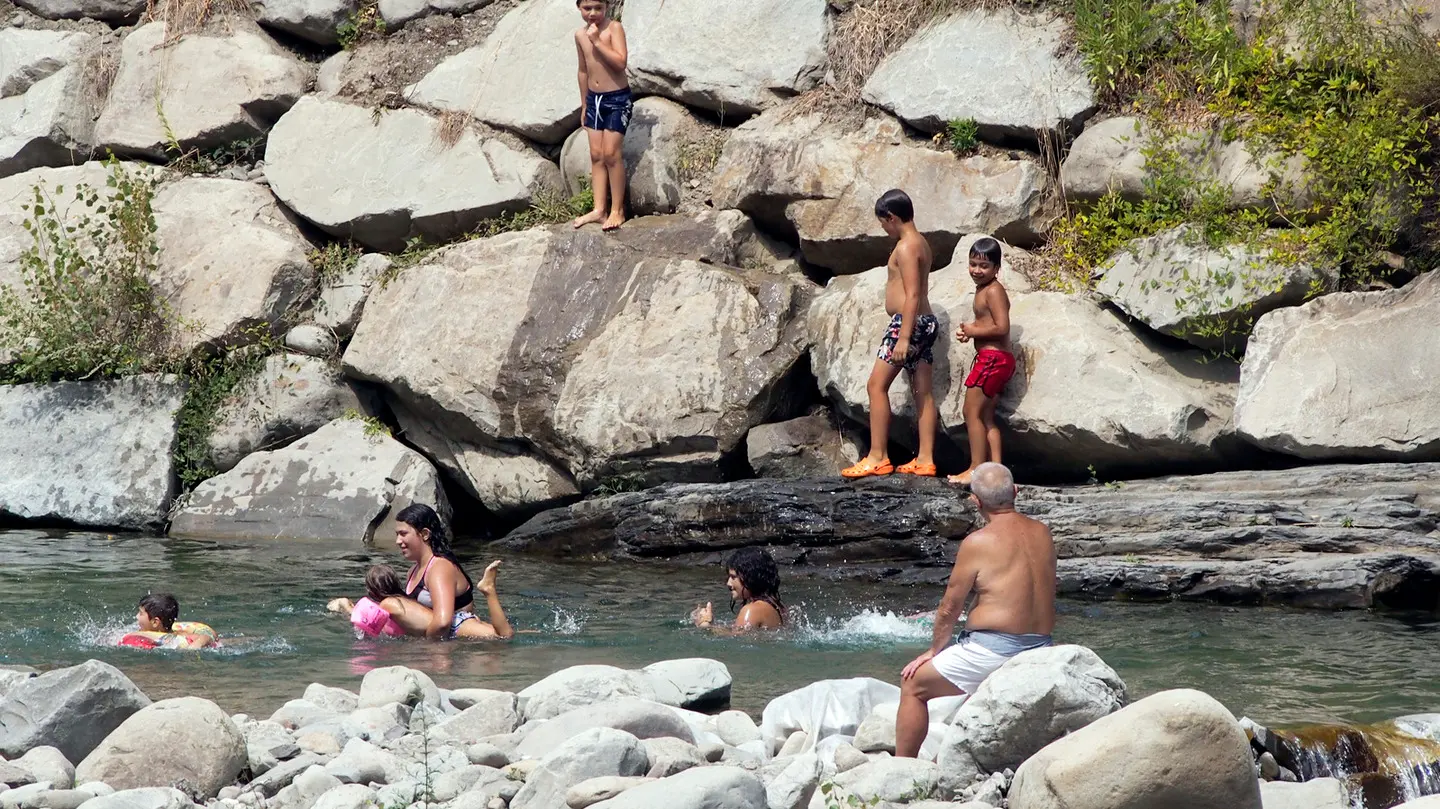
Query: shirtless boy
{"x": 1009, "y": 566}
{"x": 908, "y": 343}
{"x": 994, "y": 362}
{"x": 606, "y": 104}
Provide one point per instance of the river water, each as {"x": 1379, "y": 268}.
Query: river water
{"x": 68, "y": 596}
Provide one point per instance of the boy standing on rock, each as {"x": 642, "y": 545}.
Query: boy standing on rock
{"x": 994, "y": 362}
{"x": 606, "y": 105}
{"x": 908, "y": 343}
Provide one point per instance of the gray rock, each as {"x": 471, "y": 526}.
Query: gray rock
{"x": 592, "y": 791}
{"x": 1376, "y": 349}
{"x": 335, "y": 699}
{"x": 363, "y": 763}
{"x": 51, "y": 124}
{"x": 1178, "y": 749}
{"x": 406, "y": 686}
{"x": 122, "y": 12}
{"x": 348, "y": 796}
{"x": 694, "y": 683}
{"x": 187, "y": 740}
{"x": 398, "y": 12}
{"x": 810, "y": 446}
{"x": 795, "y": 743}
{"x": 238, "y": 81}
{"x": 11, "y": 677}
{"x": 306, "y": 789}
{"x": 13, "y": 777}
{"x": 1034, "y": 699}
{"x": 145, "y": 798}
{"x": 123, "y": 430}
{"x": 795, "y": 173}
{"x": 378, "y": 723}
{"x": 342, "y": 298}
{"x": 734, "y": 58}
{"x": 283, "y": 774}
{"x": 292, "y": 396}
{"x": 72, "y": 709}
{"x": 669, "y": 756}
{"x": 580, "y": 687}
{"x": 1006, "y": 70}
{"x": 487, "y": 754}
{"x": 1318, "y": 793}
{"x": 312, "y": 339}
{"x": 261, "y": 740}
{"x": 298, "y": 713}
{"x": 885, "y": 779}
{"x": 489, "y": 714}
{"x": 46, "y": 763}
{"x": 456, "y": 782}
{"x": 847, "y": 757}
{"x": 736, "y": 727}
{"x": 508, "y": 80}
{"x": 1176, "y": 284}
{"x": 700, "y": 788}
{"x": 384, "y": 182}
{"x": 794, "y": 781}
{"x": 52, "y": 799}
{"x": 313, "y": 20}
{"x": 29, "y": 55}
{"x": 340, "y": 482}
{"x": 643, "y": 719}
{"x": 877, "y": 733}
{"x": 654, "y": 151}
{"x": 329, "y": 78}
{"x": 596, "y": 752}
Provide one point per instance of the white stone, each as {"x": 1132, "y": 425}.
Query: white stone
{"x": 696, "y": 682}
{"x": 488, "y": 716}
{"x": 735, "y": 58}
{"x": 361, "y": 762}
{"x": 315, "y": 20}
{"x": 47, "y": 763}
{"x": 669, "y": 756}
{"x": 312, "y": 339}
{"x": 581, "y": 686}
{"x": 736, "y": 727}
{"x": 794, "y": 784}
{"x": 594, "y": 753}
{"x": 396, "y": 13}
{"x": 885, "y": 779}
{"x": 186, "y": 739}
{"x": 641, "y": 718}
{"x": 1352, "y": 376}
{"x": 1319, "y": 793}
{"x": 383, "y": 182}
{"x": 144, "y": 798}
{"x": 31, "y": 55}
{"x": 211, "y": 87}
{"x": 51, "y": 124}
{"x": 698, "y": 788}
{"x": 406, "y": 686}
{"x": 1008, "y": 71}
{"x": 342, "y": 298}
{"x": 348, "y": 796}
{"x": 594, "y": 790}
{"x": 512, "y": 80}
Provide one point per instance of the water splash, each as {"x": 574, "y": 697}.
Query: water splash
{"x": 565, "y": 622}
{"x": 869, "y": 627}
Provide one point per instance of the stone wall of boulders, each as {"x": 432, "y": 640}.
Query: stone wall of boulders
{"x": 527, "y": 369}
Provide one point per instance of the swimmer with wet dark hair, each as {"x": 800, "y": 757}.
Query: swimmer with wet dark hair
{"x": 754, "y": 582}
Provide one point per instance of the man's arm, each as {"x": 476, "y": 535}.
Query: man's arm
{"x": 952, "y": 604}
{"x": 584, "y": 68}
{"x": 615, "y": 54}
{"x": 999, "y": 326}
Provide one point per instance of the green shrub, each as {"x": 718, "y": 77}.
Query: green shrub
{"x": 962, "y": 136}
{"x": 212, "y": 382}
{"x": 363, "y": 25}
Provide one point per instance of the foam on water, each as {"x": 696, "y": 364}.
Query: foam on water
{"x": 563, "y": 622}
{"x": 869, "y": 627}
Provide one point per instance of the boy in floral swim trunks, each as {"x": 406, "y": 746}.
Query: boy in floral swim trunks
{"x": 908, "y": 343}
{"x": 994, "y": 362}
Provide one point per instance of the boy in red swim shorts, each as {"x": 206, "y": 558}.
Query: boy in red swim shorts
{"x": 994, "y": 362}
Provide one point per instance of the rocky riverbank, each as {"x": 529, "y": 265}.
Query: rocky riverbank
{"x": 1053, "y": 728}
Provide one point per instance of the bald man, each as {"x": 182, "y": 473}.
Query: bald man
{"x": 1009, "y": 566}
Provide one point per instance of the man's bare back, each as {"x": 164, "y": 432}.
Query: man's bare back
{"x": 913, "y": 247}
{"x": 1013, "y": 560}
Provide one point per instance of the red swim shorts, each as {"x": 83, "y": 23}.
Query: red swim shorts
{"x": 992, "y": 369}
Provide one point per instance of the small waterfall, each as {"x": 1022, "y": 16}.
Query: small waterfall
{"x": 1383, "y": 765}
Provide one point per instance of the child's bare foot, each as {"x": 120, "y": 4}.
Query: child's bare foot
{"x": 582, "y": 221}
{"x": 963, "y": 478}
{"x": 614, "y": 222}
{"x": 486, "y": 584}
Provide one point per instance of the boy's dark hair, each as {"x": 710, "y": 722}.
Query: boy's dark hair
{"x": 382, "y": 582}
{"x": 988, "y": 249}
{"x": 895, "y": 203}
{"x": 758, "y": 574}
{"x": 162, "y": 606}
{"x": 606, "y": 3}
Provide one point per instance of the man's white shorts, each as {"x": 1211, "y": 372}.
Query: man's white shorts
{"x": 966, "y": 664}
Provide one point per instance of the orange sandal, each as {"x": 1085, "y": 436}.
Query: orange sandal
{"x": 922, "y": 469}
{"x": 866, "y": 468}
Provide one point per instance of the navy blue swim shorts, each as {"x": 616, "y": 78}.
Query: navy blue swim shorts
{"x": 609, "y": 110}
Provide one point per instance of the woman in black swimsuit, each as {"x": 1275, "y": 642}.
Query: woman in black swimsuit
{"x": 438, "y": 583}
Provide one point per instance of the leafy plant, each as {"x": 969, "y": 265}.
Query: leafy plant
{"x": 619, "y": 484}
{"x": 363, "y": 25}
{"x": 373, "y": 427}
{"x": 962, "y": 136}
{"x": 546, "y": 208}
{"x": 86, "y": 307}
{"x": 212, "y": 383}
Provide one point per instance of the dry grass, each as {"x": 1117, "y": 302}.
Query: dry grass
{"x": 453, "y": 124}
{"x": 185, "y": 16}
{"x": 700, "y": 152}
{"x": 98, "y": 68}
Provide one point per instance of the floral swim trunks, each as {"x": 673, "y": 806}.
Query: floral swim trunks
{"x": 922, "y": 341}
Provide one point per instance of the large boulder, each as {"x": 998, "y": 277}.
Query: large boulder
{"x": 381, "y": 178}
{"x": 52, "y": 123}
{"x": 582, "y": 686}
{"x": 900, "y": 780}
{"x": 1178, "y": 285}
{"x": 795, "y": 174}
{"x": 490, "y": 713}
{"x": 1146, "y": 404}
{"x": 204, "y": 90}
{"x": 512, "y": 80}
{"x": 397, "y": 684}
{"x": 694, "y": 683}
{"x": 187, "y": 740}
{"x": 318, "y": 21}
{"x": 231, "y": 262}
{"x": 640, "y": 718}
{"x": 144, "y": 798}
{"x": 658, "y": 149}
{"x": 1173, "y": 750}
{"x": 31, "y": 55}
{"x": 396, "y": 13}
{"x": 592, "y": 754}
{"x": 810, "y": 446}
{"x": 292, "y": 396}
{"x": 522, "y": 400}
{"x": 1111, "y": 155}
{"x": 71, "y": 709}
{"x": 1006, "y": 70}
{"x": 734, "y": 58}
{"x": 344, "y": 481}
{"x": 1034, "y": 699}
{"x": 1347, "y": 376}
{"x": 90, "y": 453}
{"x": 119, "y": 12}
{"x": 696, "y": 788}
